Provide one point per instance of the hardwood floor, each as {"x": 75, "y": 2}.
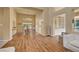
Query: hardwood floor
{"x": 34, "y": 42}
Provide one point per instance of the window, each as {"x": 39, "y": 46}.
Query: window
{"x": 59, "y": 22}
{"x": 76, "y": 24}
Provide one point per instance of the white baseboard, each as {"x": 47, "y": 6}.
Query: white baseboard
{"x": 3, "y": 42}
{"x": 43, "y": 34}
{"x": 8, "y": 49}
{"x": 52, "y": 35}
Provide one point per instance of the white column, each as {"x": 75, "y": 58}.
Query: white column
{"x": 6, "y": 23}
{"x": 46, "y": 20}
{"x": 68, "y": 20}
{"x": 51, "y": 15}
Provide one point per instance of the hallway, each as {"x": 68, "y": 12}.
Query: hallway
{"x": 30, "y": 29}
{"x": 34, "y": 42}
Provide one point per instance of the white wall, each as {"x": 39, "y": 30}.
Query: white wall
{"x": 46, "y": 16}
{"x": 6, "y": 19}
{"x": 40, "y": 23}
{"x": 12, "y": 22}
{"x": 42, "y": 28}
{"x": 6, "y": 23}
{"x": 69, "y": 16}
{"x": 1, "y": 23}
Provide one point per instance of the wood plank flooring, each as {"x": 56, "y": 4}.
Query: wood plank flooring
{"x": 34, "y": 42}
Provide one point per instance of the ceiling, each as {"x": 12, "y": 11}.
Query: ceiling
{"x": 28, "y": 20}
{"x": 33, "y": 10}
{"x": 58, "y": 8}
{"x": 28, "y": 10}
